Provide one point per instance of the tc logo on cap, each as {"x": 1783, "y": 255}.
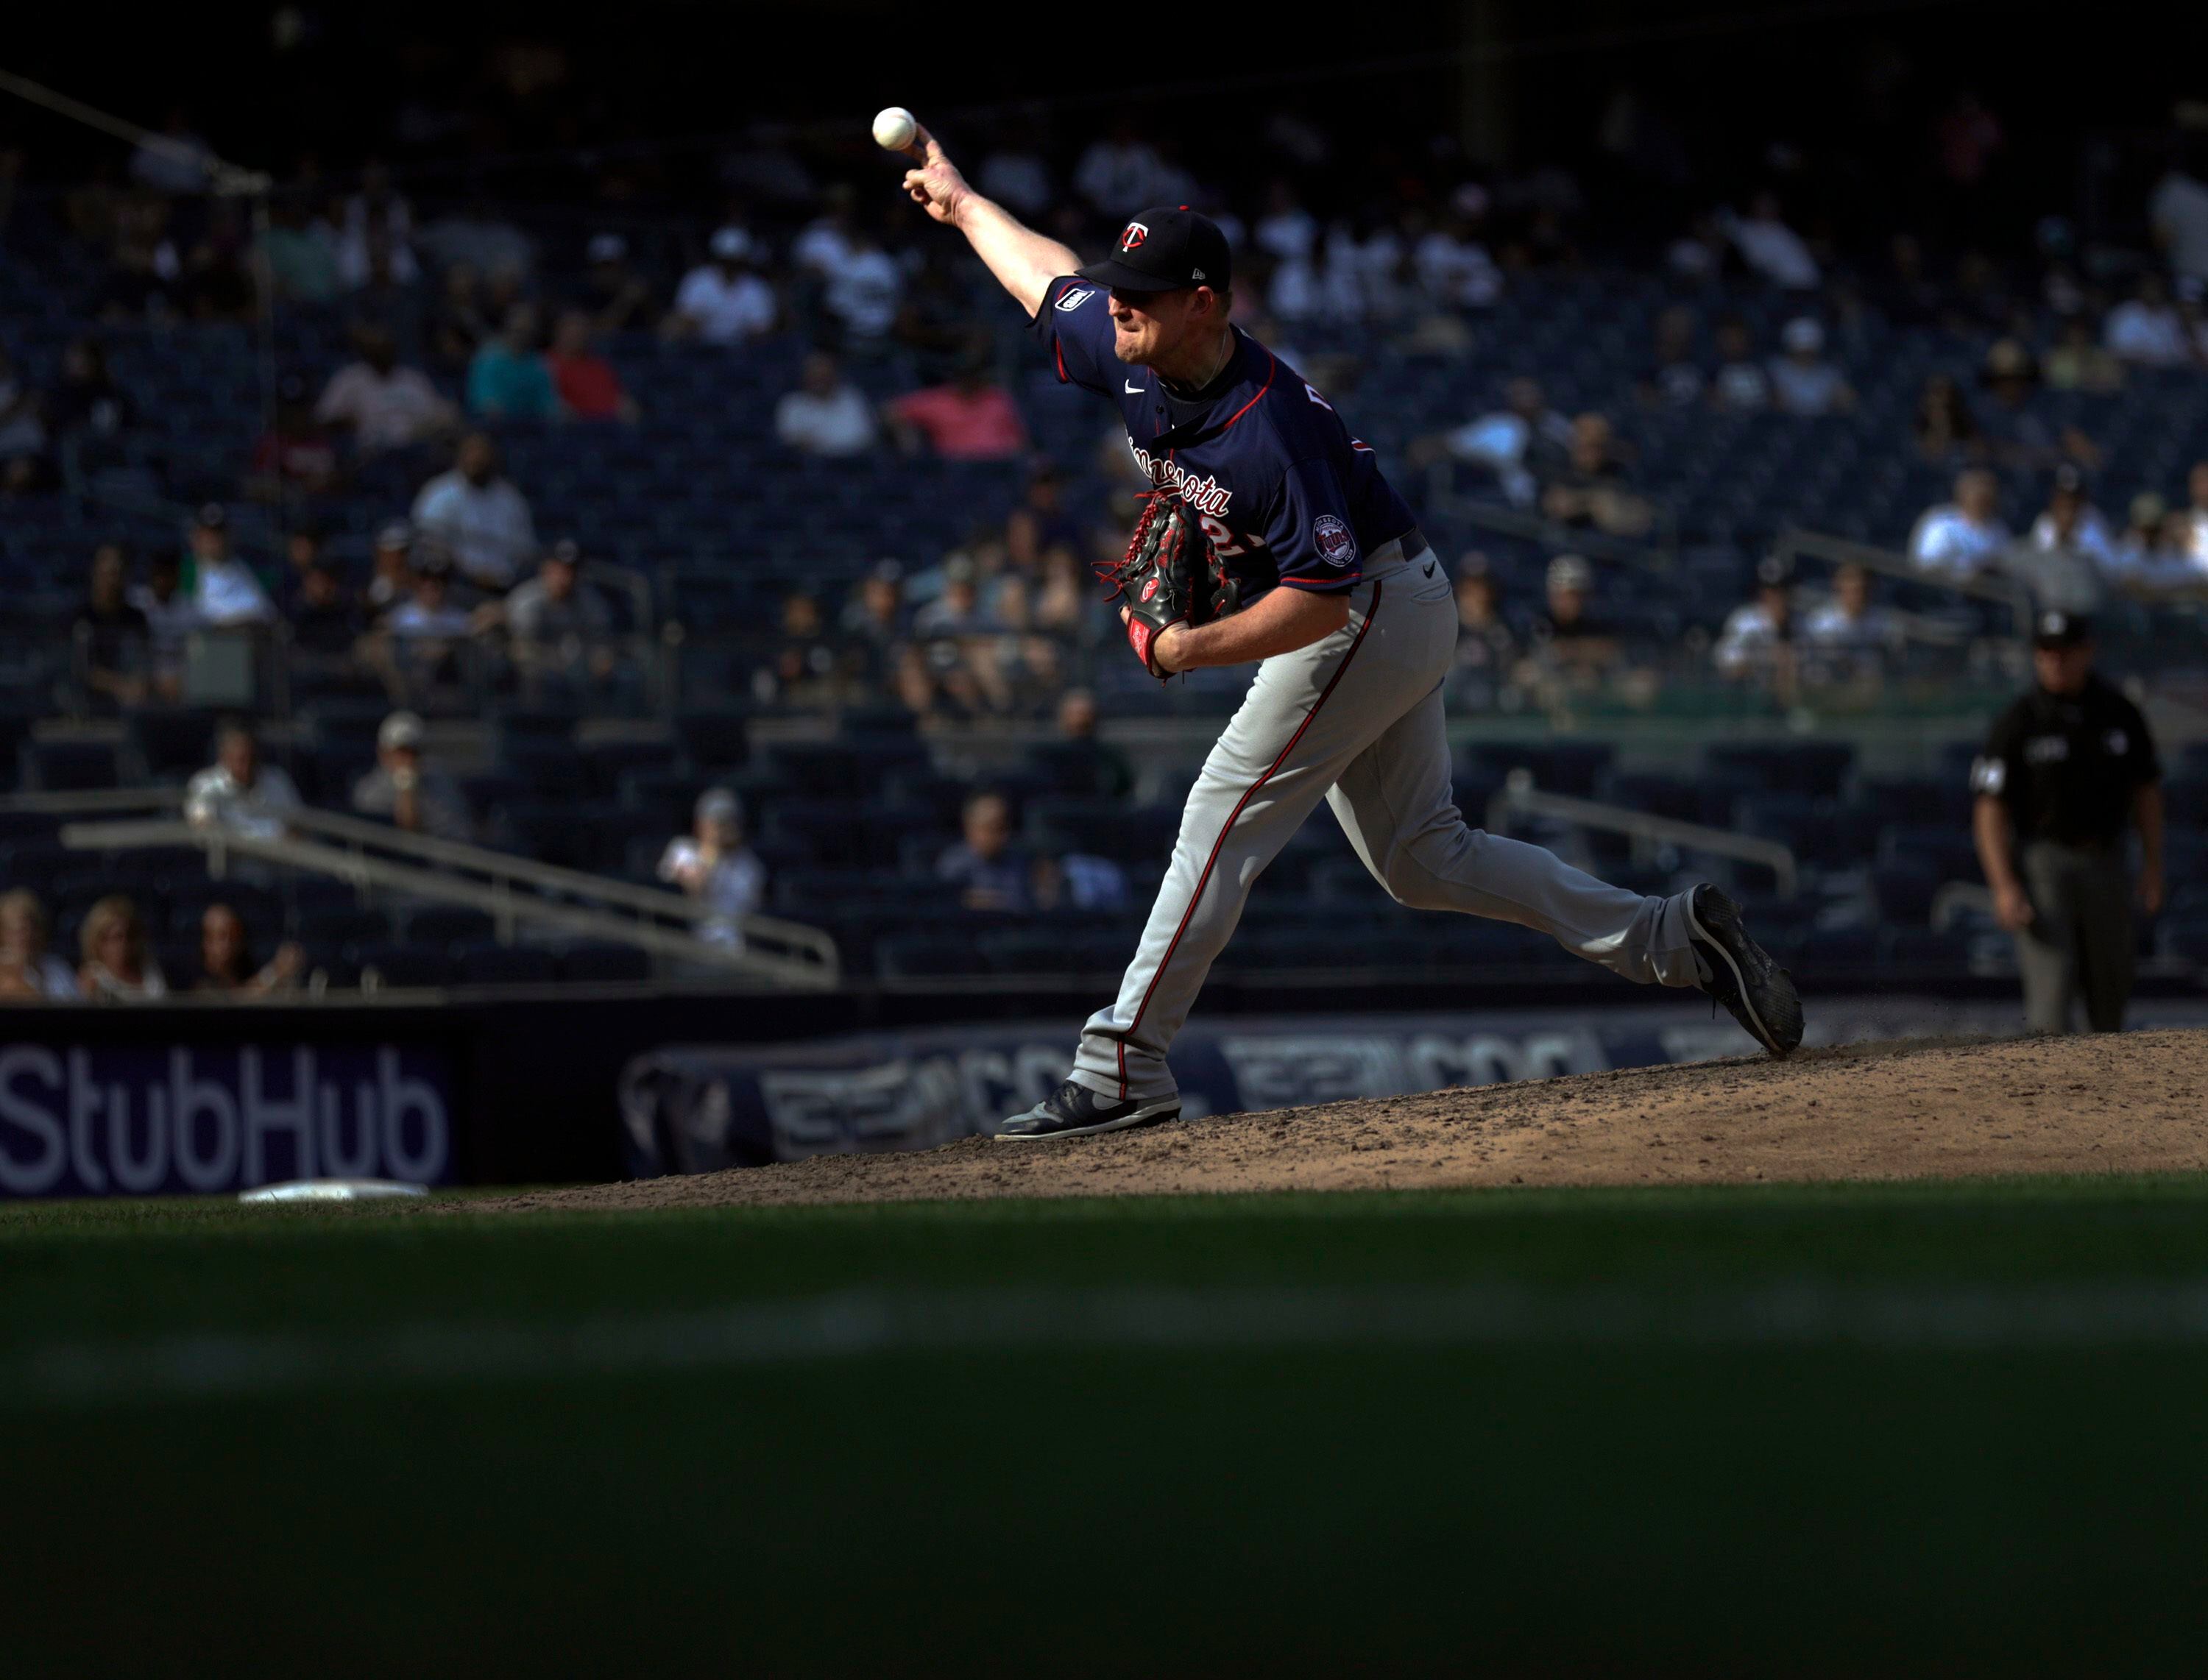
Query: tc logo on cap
{"x": 1134, "y": 236}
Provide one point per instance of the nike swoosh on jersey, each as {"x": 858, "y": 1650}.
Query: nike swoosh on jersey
{"x": 1135, "y": 390}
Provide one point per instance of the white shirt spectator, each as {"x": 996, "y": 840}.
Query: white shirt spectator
{"x": 1807, "y": 387}
{"x": 1751, "y": 637}
{"x": 1120, "y": 177}
{"x": 842, "y": 423}
{"x": 486, "y": 528}
{"x": 2091, "y": 538}
{"x": 1499, "y": 441}
{"x": 356, "y": 245}
{"x": 823, "y": 246}
{"x": 864, "y": 291}
{"x": 1949, "y": 543}
{"x": 1456, "y": 274}
{"x": 227, "y": 593}
{"x": 1775, "y": 251}
{"x": 735, "y": 888}
{"x": 2179, "y": 211}
{"x": 1741, "y": 386}
{"x": 413, "y": 617}
{"x": 2150, "y": 333}
{"x": 1287, "y": 233}
{"x": 386, "y": 410}
{"x": 1833, "y": 629}
{"x": 168, "y": 623}
{"x": 725, "y": 308}
{"x": 213, "y": 799}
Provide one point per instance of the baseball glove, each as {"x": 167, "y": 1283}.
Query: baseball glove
{"x": 1169, "y": 576}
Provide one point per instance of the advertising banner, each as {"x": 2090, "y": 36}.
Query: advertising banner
{"x": 181, "y": 1120}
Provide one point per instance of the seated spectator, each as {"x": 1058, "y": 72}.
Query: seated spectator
{"x": 296, "y": 458}
{"x": 957, "y": 611}
{"x": 988, "y": 872}
{"x": 1040, "y": 522}
{"x": 724, "y": 301}
{"x": 22, "y": 431}
{"x": 1452, "y": 264}
{"x": 1962, "y": 538}
{"x": 226, "y": 592}
{"x": 1801, "y": 380}
{"x": 85, "y": 407}
{"x": 2145, "y": 554}
{"x": 1088, "y": 766}
{"x": 239, "y": 793}
{"x": 1072, "y": 880}
{"x": 2146, "y": 329}
{"x": 28, "y": 971}
{"x": 558, "y": 630}
{"x": 325, "y": 620}
{"x": 301, "y": 251}
{"x": 1757, "y": 646}
{"x": 1591, "y": 490}
{"x": 803, "y": 665}
{"x": 477, "y": 515}
{"x": 617, "y": 297}
{"x": 865, "y": 289}
{"x": 407, "y": 791}
{"x": 1946, "y": 432}
{"x": 1848, "y": 638}
{"x": 507, "y": 377}
{"x": 872, "y": 623}
{"x": 589, "y": 388}
{"x": 1568, "y": 638}
{"x": 226, "y": 962}
{"x": 171, "y": 617}
{"x": 1521, "y": 444}
{"x": 429, "y": 614}
{"x": 477, "y": 235}
{"x": 2071, "y": 522}
{"x": 113, "y": 643}
{"x": 2016, "y": 433}
{"x": 377, "y": 223}
{"x": 1771, "y": 247}
{"x": 458, "y": 327}
{"x": 419, "y": 648}
{"x": 118, "y": 965}
{"x": 1741, "y": 385}
{"x": 972, "y": 419}
{"x": 712, "y": 865}
{"x": 1674, "y": 378}
{"x": 1120, "y": 172}
{"x": 383, "y": 404}
{"x": 2078, "y": 364}
{"x": 827, "y": 415}
{"x": 1487, "y": 651}
{"x": 390, "y": 569}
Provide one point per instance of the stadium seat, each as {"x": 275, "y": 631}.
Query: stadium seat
{"x": 604, "y": 964}
{"x": 490, "y": 964}
{"x": 66, "y": 766}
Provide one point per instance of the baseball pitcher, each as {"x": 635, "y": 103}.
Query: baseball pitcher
{"x": 1273, "y": 537}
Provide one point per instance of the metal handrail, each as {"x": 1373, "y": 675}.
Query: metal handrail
{"x": 1794, "y": 540}
{"x": 807, "y": 956}
{"x": 1654, "y": 555}
{"x": 1519, "y": 797}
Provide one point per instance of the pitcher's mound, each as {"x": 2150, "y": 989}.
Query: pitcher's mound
{"x": 2128, "y": 1103}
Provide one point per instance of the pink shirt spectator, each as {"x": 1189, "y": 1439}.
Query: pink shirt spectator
{"x": 963, "y": 423}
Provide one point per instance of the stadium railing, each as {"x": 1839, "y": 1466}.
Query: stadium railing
{"x": 1519, "y": 797}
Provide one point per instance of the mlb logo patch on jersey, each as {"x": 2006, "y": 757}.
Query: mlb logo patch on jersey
{"x": 1336, "y": 546}
{"x": 1075, "y": 297}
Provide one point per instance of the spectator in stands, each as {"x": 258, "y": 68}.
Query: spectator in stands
{"x": 1961, "y": 538}
{"x": 86, "y": 410}
{"x": 1945, "y": 431}
{"x": 872, "y": 621}
{"x": 2016, "y": 434}
{"x": 477, "y": 235}
{"x": 1082, "y": 764}
{"x": 226, "y": 592}
{"x": 301, "y": 251}
{"x": 296, "y": 459}
{"x": 865, "y": 289}
{"x": 377, "y": 225}
{"x": 1801, "y": 380}
{"x": 171, "y": 617}
{"x": 113, "y": 643}
{"x": 588, "y": 385}
{"x": 724, "y": 301}
{"x": 1674, "y": 378}
{"x": 406, "y": 790}
{"x": 475, "y": 512}
{"x": 383, "y": 404}
{"x": 458, "y": 327}
{"x": 1741, "y": 385}
{"x": 617, "y": 298}
{"x": 1076, "y": 880}
{"x": 971, "y": 419}
{"x": 226, "y": 962}
{"x": 2146, "y": 328}
{"x": 326, "y": 622}
{"x": 1591, "y": 490}
{"x": 1040, "y": 522}
{"x": 1771, "y": 247}
{"x": 508, "y": 378}
{"x": 29, "y": 972}
{"x": 1849, "y": 638}
{"x": 1488, "y": 655}
{"x": 2178, "y": 213}
{"x": 988, "y": 872}
{"x": 1571, "y": 641}
{"x": 712, "y": 865}
{"x": 22, "y": 432}
{"x": 827, "y": 415}
{"x": 390, "y": 569}
{"x": 238, "y": 792}
{"x": 2079, "y": 363}
{"x": 1121, "y": 173}
{"x": 428, "y": 616}
{"x": 558, "y": 630}
{"x": 118, "y": 964}
{"x": 2071, "y": 522}
{"x": 1521, "y": 444}
{"x": 1757, "y": 646}
{"x": 1452, "y": 263}
{"x": 957, "y": 611}
{"x": 2144, "y": 553}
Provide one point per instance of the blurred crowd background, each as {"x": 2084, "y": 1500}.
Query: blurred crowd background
{"x": 593, "y": 456}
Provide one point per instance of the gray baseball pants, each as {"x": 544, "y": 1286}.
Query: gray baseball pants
{"x": 2080, "y": 947}
{"x": 1354, "y": 718}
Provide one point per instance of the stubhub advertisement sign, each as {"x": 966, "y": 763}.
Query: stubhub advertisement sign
{"x": 168, "y": 1120}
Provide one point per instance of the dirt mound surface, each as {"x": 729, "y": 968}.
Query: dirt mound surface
{"x": 2134, "y": 1102}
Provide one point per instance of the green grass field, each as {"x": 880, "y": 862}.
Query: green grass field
{"x": 1954, "y": 1428}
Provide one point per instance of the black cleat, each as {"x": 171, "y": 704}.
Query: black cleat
{"x": 1075, "y": 1111}
{"x": 1743, "y": 977}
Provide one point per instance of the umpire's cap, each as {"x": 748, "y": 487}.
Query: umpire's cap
{"x": 1163, "y": 249}
{"x": 2061, "y": 629}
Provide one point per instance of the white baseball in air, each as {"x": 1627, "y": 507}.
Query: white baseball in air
{"x": 895, "y": 128}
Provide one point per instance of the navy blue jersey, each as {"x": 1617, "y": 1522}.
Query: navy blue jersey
{"x": 1283, "y": 492}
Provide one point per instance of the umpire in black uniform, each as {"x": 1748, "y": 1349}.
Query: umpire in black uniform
{"x": 2065, "y": 771}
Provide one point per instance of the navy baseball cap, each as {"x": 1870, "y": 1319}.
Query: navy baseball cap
{"x": 2061, "y": 629}
{"x": 1163, "y": 249}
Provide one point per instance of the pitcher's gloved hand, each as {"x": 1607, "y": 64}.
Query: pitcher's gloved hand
{"x": 1169, "y": 576}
